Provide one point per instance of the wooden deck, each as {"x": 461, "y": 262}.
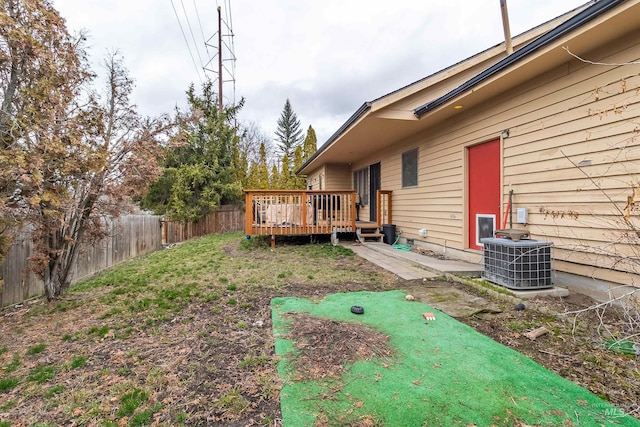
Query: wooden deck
{"x": 297, "y": 212}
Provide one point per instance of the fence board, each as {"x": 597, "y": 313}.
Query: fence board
{"x": 130, "y": 236}
{"x": 226, "y": 219}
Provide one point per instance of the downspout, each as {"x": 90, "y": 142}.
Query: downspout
{"x": 505, "y": 26}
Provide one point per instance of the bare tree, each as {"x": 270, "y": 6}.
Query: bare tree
{"x": 251, "y": 137}
{"x": 68, "y": 157}
{"x": 614, "y": 182}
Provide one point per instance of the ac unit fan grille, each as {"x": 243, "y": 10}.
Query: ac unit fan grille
{"x": 521, "y": 265}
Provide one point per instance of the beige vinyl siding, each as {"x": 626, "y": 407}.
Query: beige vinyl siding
{"x": 315, "y": 177}
{"x": 435, "y": 204}
{"x": 339, "y": 177}
{"x": 576, "y": 112}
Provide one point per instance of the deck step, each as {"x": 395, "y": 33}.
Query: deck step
{"x": 371, "y": 235}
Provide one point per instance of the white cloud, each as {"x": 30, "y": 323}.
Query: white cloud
{"x": 327, "y": 57}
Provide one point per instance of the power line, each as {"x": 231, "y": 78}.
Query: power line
{"x": 232, "y": 49}
{"x": 227, "y": 12}
{"x": 201, "y": 30}
{"x": 187, "y": 42}
{"x": 191, "y": 31}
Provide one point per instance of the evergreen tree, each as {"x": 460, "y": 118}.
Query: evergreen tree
{"x": 298, "y": 182}
{"x": 285, "y": 174}
{"x": 198, "y": 173}
{"x": 310, "y": 145}
{"x": 275, "y": 178}
{"x": 288, "y": 134}
{"x": 252, "y": 177}
{"x": 240, "y": 164}
{"x": 263, "y": 169}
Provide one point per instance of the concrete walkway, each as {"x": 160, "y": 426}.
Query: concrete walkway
{"x": 411, "y": 266}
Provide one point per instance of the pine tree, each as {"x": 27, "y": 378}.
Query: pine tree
{"x": 275, "y": 178}
{"x": 198, "y": 172}
{"x": 263, "y": 169}
{"x": 310, "y": 144}
{"x": 288, "y": 134}
{"x": 298, "y": 182}
{"x": 285, "y": 174}
{"x": 252, "y": 177}
{"x": 240, "y": 164}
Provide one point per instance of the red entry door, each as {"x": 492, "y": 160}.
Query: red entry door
{"x": 484, "y": 191}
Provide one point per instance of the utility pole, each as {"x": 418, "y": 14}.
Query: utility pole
{"x": 224, "y": 72}
{"x": 220, "y": 57}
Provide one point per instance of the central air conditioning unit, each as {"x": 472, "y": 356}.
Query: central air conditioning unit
{"x": 521, "y": 265}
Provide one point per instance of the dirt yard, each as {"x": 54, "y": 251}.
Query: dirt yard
{"x": 112, "y": 355}
{"x": 572, "y": 345}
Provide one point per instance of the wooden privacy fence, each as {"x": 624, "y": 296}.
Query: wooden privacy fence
{"x": 226, "y": 219}
{"x": 130, "y": 236}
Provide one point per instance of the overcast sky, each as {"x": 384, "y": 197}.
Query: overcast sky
{"x": 327, "y": 56}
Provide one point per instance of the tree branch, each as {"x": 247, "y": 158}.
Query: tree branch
{"x": 599, "y": 63}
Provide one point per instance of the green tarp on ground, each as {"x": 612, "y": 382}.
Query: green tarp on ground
{"x": 444, "y": 373}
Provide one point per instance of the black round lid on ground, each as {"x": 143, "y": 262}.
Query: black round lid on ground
{"x": 356, "y": 309}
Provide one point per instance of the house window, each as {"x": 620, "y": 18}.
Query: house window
{"x": 361, "y": 185}
{"x": 410, "y": 168}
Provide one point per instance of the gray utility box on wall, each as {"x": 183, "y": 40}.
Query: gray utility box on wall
{"x": 521, "y": 265}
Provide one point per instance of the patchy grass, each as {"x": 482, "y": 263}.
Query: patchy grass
{"x": 7, "y": 384}
{"x": 100, "y": 331}
{"x": 250, "y": 362}
{"x": 42, "y": 373}
{"x": 14, "y": 364}
{"x": 198, "y": 349}
{"x": 35, "y": 349}
{"x": 78, "y": 362}
{"x": 178, "y": 337}
{"x": 484, "y": 284}
{"x": 232, "y": 402}
{"x": 131, "y": 401}
{"x": 54, "y": 391}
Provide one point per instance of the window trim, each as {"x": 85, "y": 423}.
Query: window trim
{"x": 413, "y": 151}
{"x": 361, "y": 176}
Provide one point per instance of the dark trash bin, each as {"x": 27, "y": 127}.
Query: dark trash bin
{"x": 389, "y": 231}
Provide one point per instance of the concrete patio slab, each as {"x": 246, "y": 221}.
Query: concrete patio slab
{"x": 410, "y": 265}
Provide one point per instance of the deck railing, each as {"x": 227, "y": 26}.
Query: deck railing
{"x": 384, "y": 207}
{"x": 305, "y": 212}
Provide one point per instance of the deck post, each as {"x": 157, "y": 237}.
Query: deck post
{"x": 248, "y": 217}
{"x": 354, "y": 211}
{"x": 303, "y": 208}
{"x": 379, "y": 219}
{"x": 389, "y": 208}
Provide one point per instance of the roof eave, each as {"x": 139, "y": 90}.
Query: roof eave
{"x": 561, "y": 30}
{"x": 360, "y": 112}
